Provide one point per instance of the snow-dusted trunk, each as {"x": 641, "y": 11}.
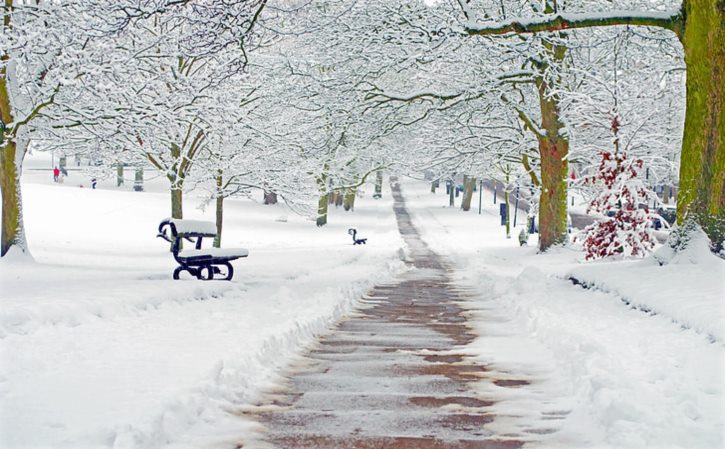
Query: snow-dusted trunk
{"x": 468, "y": 185}
{"x": 322, "y": 210}
{"x": 323, "y": 201}
{"x": 12, "y": 153}
{"x": 13, "y": 233}
{"x": 554, "y": 151}
{"x": 378, "y": 184}
{"x": 176, "y": 202}
{"x": 269, "y": 197}
{"x": 119, "y": 174}
{"x": 138, "y": 180}
{"x": 702, "y": 168}
{"x": 349, "y": 201}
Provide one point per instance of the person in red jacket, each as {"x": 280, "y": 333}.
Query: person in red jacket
{"x": 56, "y": 173}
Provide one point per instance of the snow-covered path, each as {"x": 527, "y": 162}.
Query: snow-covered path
{"x": 391, "y": 374}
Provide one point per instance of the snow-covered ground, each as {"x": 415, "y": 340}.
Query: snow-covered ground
{"x": 634, "y": 361}
{"x": 100, "y": 348}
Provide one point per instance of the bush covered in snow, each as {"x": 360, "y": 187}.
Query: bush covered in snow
{"x": 626, "y": 229}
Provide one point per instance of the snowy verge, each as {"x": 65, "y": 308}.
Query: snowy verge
{"x": 689, "y": 289}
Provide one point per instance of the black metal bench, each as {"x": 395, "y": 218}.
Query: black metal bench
{"x": 201, "y": 263}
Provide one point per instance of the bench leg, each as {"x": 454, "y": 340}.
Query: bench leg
{"x": 229, "y": 270}
{"x": 177, "y": 271}
{"x": 205, "y": 273}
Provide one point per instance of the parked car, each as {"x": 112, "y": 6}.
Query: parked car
{"x": 668, "y": 212}
{"x": 661, "y": 227}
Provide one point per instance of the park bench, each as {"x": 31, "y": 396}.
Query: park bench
{"x": 201, "y": 263}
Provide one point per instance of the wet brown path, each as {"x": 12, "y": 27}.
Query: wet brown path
{"x": 389, "y": 375}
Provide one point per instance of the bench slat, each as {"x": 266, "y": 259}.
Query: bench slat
{"x": 223, "y": 253}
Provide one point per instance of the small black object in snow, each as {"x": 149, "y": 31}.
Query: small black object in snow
{"x": 355, "y": 240}
{"x": 202, "y": 263}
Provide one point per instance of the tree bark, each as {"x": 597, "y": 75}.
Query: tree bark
{"x": 322, "y": 210}
{"x": 349, "y": 202}
{"x": 378, "y": 184}
{"x": 702, "y": 166}
{"x": 176, "y": 202}
{"x": 433, "y": 186}
{"x": 12, "y": 231}
{"x": 554, "y": 151}
{"x": 468, "y": 186}
{"x": 138, "y": 180}
{"x": 270, "y": 197}
{"x": 119, "y": 174}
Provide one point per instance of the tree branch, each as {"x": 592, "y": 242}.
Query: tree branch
{"x": 671, "y": 20}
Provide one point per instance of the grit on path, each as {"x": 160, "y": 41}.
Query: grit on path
{"x": 391, "y": 375}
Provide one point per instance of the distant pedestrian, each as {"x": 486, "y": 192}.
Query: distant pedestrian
{"x": 63, "y": 170}
{"x": 93, "y": 183}
{"x": 56, "y": 173}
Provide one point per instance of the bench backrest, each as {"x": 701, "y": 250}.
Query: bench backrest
{"x": 189, "y": 228}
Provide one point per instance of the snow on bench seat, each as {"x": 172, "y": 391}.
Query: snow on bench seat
{"x": 205, "y": 228}
{"x": 215, "y": 253}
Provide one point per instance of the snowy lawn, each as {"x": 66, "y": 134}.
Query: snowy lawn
{"x": 100, "y": 348}
{"x": 603, "y": 373}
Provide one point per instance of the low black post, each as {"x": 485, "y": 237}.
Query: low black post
{"x": 516, "y": 206}
{"x": 494, "y": 192}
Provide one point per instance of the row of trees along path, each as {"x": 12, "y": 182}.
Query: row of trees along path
{"x": 700, "y": 27}
{"x": 391, "y": 374}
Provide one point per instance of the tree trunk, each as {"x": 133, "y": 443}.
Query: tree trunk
{"x": 270, "y": 197}
{"x": 119, "y": 174}
{"x": 349, "y": 202}
{"x": 702, "y": 166}
{"x": 138, "y": 180}
{"x": 378, "y": 184}
{"x": 452, "y": 195}
{"x": 13, "y": 231}
{"x": 433, "y": 186}
{"x": 322, "y": 210}
{"x": 554, "y": 152}
{"x": 176, "y": 202}
{"x": 666, "y": 194}
{"x": 219, "y": 211}
{"x": 338, "y": 199}
{"x": 468, "y": 186}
